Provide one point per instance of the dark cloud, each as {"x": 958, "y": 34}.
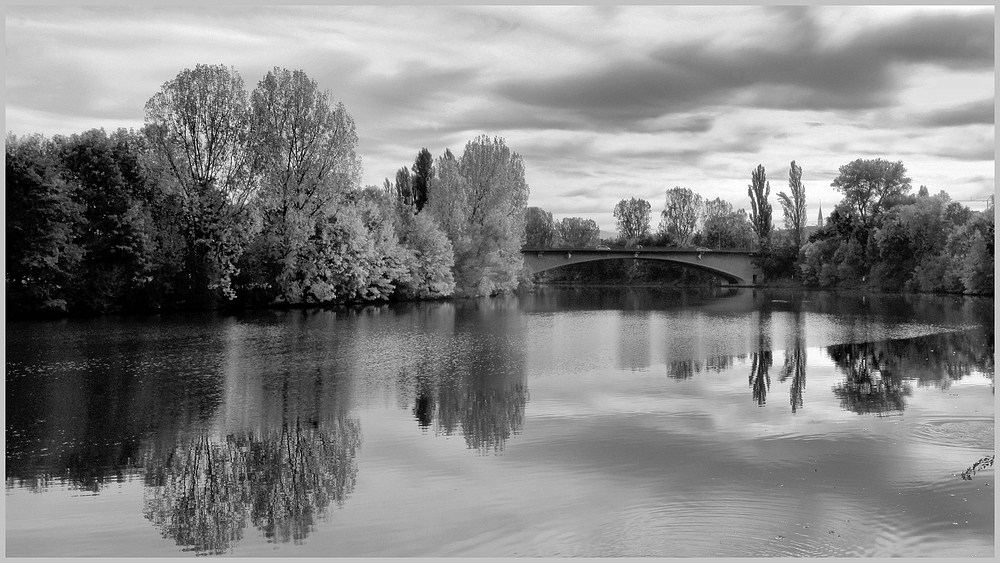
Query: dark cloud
{"x": 980, "y": 112}
{"x": 864, "y": 73}
{"x": 692, "y": 123}
{"x": 957, "y": 41}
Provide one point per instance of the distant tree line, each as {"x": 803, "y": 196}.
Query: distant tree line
{"x": 226, "y": 198}
{"x": 879, "y": 236}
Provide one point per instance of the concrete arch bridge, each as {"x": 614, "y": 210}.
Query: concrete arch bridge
{"x": 736, "y": 267}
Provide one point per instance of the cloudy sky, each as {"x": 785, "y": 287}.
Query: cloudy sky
{"x": 603, "y": 103}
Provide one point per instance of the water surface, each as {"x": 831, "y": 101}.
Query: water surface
{"x": 590, "y": 422}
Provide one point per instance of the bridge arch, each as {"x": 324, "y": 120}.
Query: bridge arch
{"x": 734, "y": 266}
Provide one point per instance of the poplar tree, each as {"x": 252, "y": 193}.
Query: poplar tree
{"x": 794, "y": 206}
{"x": 423, "y": 171}
{"x": 760, "y": 214}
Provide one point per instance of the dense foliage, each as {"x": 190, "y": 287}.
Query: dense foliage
{"x": 924, "y": 243}
{"x": 233, "y": 199}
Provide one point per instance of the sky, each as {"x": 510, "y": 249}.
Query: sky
{"x": 603, "y": 103}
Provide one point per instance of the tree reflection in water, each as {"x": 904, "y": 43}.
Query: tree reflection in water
{"x": 478, "y": 387}
{"x": 685, "y": 369}
{"x": 760, "y": 380}
{"x": 795, "y": 363}
{"x": 879, "y": 373}
{"x": 483, "y": 401}
{"x": 871, "y": 385}
{"x": 761, "y": 360}
{"x": 203, "y": 493}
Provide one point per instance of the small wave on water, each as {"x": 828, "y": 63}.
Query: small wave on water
{"x": 975, "y": 433}
{"x": 733, "y": 525}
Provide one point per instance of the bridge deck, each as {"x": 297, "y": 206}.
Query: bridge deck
{"x": 644, "y": 250}
{"x": 735, "y": 266}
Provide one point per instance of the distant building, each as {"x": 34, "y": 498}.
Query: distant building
{"x": 819, "y": 220}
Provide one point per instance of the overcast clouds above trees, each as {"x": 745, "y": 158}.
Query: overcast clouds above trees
{"x": 603, "y": 104}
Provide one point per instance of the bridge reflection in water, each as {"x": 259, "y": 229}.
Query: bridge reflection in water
{"x": 736, "y": 267}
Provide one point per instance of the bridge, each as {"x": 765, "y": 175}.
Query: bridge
{"x": 733, "y": 266}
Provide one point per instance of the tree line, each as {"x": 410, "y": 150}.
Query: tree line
{"x": 879, "y": 236}
{"x": 229, "y": 198}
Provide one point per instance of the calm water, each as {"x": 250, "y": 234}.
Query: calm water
{"x": 592, "y": 422}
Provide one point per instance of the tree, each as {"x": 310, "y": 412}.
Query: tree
{"x": 760, "y": 214}
{"x": 308, "y": 145}
{"x": 794, "y": 206}
{"x": 576, "y": 232}
{"x": 115, "y": 231}
{"x": 448, "y": 204}
{"x": 423, "y": 171}
{"x": 681, "y": 213}
{"x": 404, "y": 186}
{"x": 868, "y": 185}
{"x": 481, "y": 204}
{"x": 430, "y": 260}
{"x": 42, "y": 219}
{"x": 724, "y": 228}
{"x": 352, "y": 255}
{"x": 199, "y": 124}
{"x": 633, "y": 218}
{"x": 539, "y": 229}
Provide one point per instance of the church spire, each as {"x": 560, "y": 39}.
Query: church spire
{"x": 819, "y": 220}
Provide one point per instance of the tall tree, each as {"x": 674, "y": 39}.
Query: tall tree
{"x": 680, "y": 215}
{"x": 794, "y": 206}
{"x": 199, "y": 124}
{"x": 633, "y": 218}
{"x": 539, "y": 228}
{"x": 423, "y": 171}
{"x": 760, "y": 215}
{"x": 868, "y": 185}
{"x": 308, "y": 144}
{"x": 576, "y": 232}
{"x": 485, "y": 216}
{"x": 449, "y": 205}
{"x": 404, "y": 186}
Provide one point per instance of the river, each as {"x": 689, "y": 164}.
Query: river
{"x": 562, "y": 422}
